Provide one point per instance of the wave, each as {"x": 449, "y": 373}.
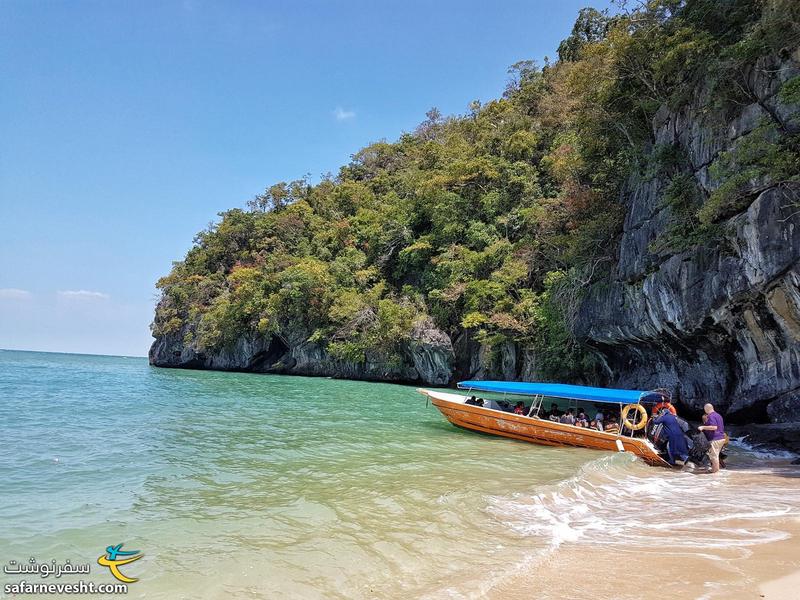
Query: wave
{"x": 761, "y": 451}
{"x": 616, "y": 500}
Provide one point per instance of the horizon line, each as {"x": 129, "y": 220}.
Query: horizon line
{"x": 74, "y": 353}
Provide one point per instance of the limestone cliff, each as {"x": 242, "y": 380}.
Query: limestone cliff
{"x": 426, "y": 357}
{"x": 717, "y": 322}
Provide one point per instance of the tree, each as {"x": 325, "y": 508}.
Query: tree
{"x": 432, "y": 124}
{"x": 590, "y": 27}
{"x": 279, "y": 195}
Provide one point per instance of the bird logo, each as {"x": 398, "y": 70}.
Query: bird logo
{"x": 112, "y": 560}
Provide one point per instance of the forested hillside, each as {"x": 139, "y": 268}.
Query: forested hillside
{"x": 483, "y": 244}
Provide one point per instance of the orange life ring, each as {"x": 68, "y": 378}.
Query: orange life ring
{"x": 642, "y": 413}
{"x": 665, "y": 404}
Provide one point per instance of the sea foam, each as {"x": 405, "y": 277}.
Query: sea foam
{"x": 617, "y": 500}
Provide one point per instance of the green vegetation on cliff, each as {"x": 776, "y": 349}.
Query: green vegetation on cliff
{"x": 498, "y": 220}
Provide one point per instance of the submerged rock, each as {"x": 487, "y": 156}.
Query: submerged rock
{"x": 770, "y": 436}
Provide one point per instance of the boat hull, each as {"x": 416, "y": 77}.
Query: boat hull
{"x": 535, "y": 430}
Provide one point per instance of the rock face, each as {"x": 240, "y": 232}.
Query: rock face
{"x": 427, "y": 357}
{"x": 718, "y": 323}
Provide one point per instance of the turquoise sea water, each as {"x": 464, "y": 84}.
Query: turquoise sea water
{"x": 247, "y": 486}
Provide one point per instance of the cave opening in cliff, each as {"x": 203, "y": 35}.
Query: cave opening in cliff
{"x": 270, "y": 359}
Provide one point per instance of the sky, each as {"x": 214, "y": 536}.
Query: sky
{"x": 126, "y": 127}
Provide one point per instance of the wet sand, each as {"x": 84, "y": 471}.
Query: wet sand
{"x": 769, "y": 570}
{"x": 784, "y": 587}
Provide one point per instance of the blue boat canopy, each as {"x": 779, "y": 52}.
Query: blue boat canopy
{"x": 557, "y": 390}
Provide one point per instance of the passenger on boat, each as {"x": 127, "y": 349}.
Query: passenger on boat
{"x": 612, "y": 426}
{"x": 567, "y": 418}
{"x": 554, "y": 412}
{"x": 581, "y": 420}
{"x": 677, "y": 449}
{"x": 598, "y": 420}
{"x": 519, "y": 408}
{"x": 473, "y": 401}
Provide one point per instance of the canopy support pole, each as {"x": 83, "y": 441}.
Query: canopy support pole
{"x": 538, "y": 407}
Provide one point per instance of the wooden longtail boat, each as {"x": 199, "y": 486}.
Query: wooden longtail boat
{"x": 530, "y": 428}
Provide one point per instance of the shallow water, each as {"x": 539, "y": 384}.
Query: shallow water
{"x": 239, "y": 485}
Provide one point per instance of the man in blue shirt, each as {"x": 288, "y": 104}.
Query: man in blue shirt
{"x": 677, "y": 449}
{"x": 714, "y": 429}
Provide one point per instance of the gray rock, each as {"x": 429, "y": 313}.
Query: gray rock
{"x": 431, "y": 353}
{"x": 769, "y": 436}
{"x": 785, "y": 409}
{"x": 428, "y": 357}
{"x": 718, "y": 323}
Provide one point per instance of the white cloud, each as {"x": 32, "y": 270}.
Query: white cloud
{"x": 343, "y": 115}
{"x": 14, "y": 293}
{"x": 83, "y": 294}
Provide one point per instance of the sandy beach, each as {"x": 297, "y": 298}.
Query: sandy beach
{"x": 770, "y": 571}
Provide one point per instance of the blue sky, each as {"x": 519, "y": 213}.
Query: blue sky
{"x": 125, "y": 127}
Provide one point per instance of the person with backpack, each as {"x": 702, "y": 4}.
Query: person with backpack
{"x": 677, "y": 448}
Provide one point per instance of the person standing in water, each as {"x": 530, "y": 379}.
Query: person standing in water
{"x": 677, "y": 449}
{"x": 714, "y": 429}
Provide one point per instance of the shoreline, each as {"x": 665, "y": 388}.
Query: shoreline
{"x": 767, "y": 436}
{"x": 769, "y": 569}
